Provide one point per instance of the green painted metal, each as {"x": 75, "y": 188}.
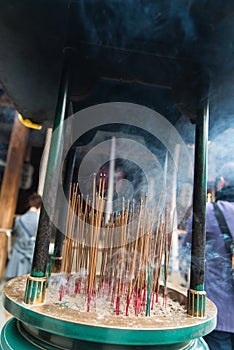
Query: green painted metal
{"x": 200, "y": 287}
{"x": 103, "y": 334}
{"x": 38, "y": 274}
{"x": 11, "y": 339}
{"x": 15, "y": 337}
{"x": 39, "y": 264}
{"x": 199, "y": 200}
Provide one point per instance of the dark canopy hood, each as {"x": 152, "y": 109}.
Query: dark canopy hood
{"x": 139, "y": 46}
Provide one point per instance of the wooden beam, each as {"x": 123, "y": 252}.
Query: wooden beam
{"x": 10, "y": 185}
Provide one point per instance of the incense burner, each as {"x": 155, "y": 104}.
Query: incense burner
{"x": 52, "y": 325}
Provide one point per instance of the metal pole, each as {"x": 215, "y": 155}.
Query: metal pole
{"x": 196, "y": 293}
{"x": 56, "y": 259}
{"x": 36, "y": 283}
{"x": 44, "y": 161}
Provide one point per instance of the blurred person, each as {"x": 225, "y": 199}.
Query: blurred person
{"x": 25, "y": 230}
{"x": 219, "y": 275}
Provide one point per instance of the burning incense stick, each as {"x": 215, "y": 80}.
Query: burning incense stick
{"x": 130, "y": 264}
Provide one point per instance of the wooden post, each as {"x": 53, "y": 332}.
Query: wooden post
{"x": 10, "y": 185}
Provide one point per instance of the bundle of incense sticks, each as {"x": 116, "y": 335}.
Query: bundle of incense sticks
{"x": 118, "y": 261}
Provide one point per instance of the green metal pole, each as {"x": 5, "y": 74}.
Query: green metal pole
{"x": 36, "y": 284}
{"x": 56, "y": 258}
{"x": 196, "y": 293}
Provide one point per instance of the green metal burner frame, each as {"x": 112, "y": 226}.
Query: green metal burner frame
{"x": 15, "y": 336}
{"x": 110, "y": 335}
{"x": 39, "y": 327}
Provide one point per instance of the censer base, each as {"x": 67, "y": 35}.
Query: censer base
{"x": 17, "y": 335}
{"x": 54, "y": 327}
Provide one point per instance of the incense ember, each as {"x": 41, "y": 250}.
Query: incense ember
{"x": 114, "y": 265}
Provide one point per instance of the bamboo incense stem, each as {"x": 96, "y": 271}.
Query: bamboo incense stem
{"x": 94, "y": 191}
{"x": 132, "y": 272}
{"x": 131, "y": 268}
{"x": 150, "y": 272}
{"x": 110, "y": 193}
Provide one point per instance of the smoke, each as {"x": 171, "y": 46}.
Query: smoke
{"x": 137, "y": 24}
{"x": 220, "y": 151}
{"x": 196, "y": 31}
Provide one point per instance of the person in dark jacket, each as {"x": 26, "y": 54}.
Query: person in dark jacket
{"x": 25, "y": 230}
{"x": 219, "y": 284}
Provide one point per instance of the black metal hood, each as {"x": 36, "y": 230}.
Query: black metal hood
{"x": 124, "y": 50}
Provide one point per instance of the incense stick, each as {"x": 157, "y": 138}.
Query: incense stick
{"x": 131, "y": 251}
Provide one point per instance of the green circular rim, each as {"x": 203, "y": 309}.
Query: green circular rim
{"x": 109, "y": 335}
{"x": 14, "y": 338}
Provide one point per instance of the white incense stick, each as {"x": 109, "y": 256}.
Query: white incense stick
{"x": 110, "y": 193}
